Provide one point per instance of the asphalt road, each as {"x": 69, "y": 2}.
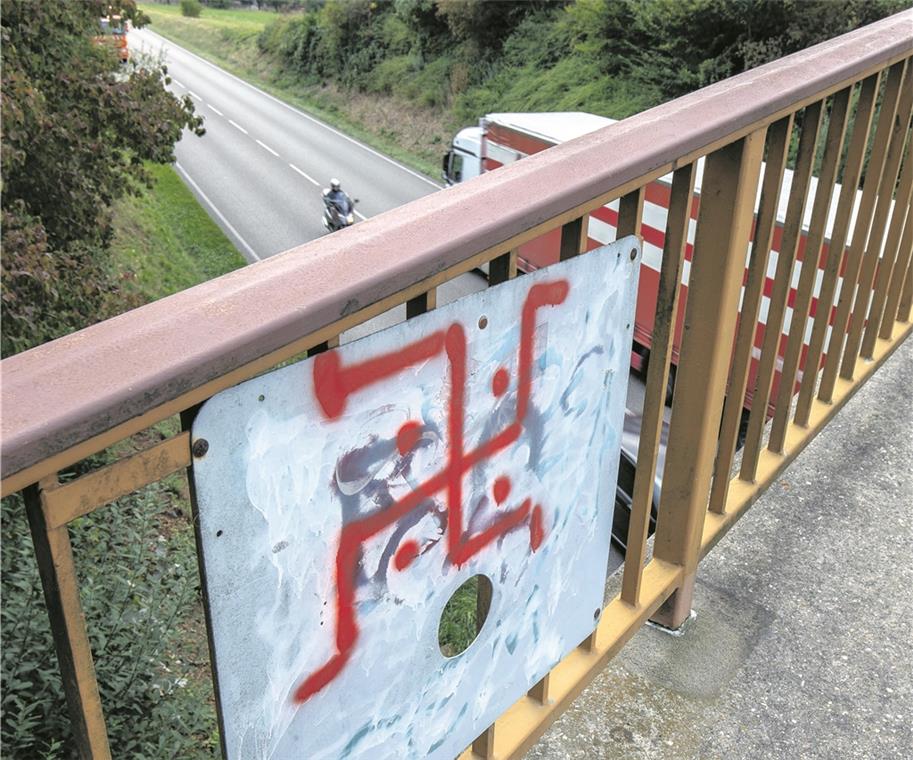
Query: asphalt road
{"x": 261, "y": 166}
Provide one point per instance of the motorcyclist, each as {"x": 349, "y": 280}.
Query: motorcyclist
{"x": 339, "y": 206}
{"x": 335, "y": 195}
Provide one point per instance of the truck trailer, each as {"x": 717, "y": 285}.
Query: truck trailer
{"x": 501, "y": 139}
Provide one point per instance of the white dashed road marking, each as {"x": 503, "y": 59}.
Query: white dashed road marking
{"x": 215, "y": 109}
{"x": 237, "y": 126}
{"x": 266, "y": 147}
{"x": 307, "y": 176}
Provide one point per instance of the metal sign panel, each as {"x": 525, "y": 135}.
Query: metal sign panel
{"x": 342, "y": 501}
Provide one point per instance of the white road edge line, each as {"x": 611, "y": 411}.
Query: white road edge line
{"x": 360, "y": 215}
{"x": 237, "y": 126}
{"x": 300, "y": 113}
{"x": 307, "y": 176}
{"x": 215, "y": 109}
{"x": 266, "y": 147}
{"x": 216, "y": 211}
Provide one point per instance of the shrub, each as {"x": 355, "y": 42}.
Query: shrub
{"x": 140, "y": 593}
{"x": 191, "y": 8}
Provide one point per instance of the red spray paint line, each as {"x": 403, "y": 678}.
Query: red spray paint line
{"x": 536, "y": 531}
{"x": 333, "y": 384}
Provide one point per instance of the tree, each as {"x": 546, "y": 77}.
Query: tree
{"x": 77, "y": 129}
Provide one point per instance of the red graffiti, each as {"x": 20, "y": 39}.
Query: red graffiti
{"x": 334, "y": 384}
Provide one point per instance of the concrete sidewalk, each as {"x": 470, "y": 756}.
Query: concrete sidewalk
{"x": 803, "y": 642}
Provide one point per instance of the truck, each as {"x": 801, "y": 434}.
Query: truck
{"x": 112, "y": 31}
{"x": 501, "y": 139}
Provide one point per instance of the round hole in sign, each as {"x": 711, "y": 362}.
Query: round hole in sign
{"x": 633, "y": 254}
{"x": 483, "y": 322}
{"x": 463, "y": 616}
{"x": 218, "y": 533}
{"x": 261, "y": 397}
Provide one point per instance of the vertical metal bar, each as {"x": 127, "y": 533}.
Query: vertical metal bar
{"x": 68, "y": 625}
{"x": 887, "y": 265}
{"x": 852, "y": 170}
{"x": 670, "y": 275}
{"x": 904, "y": 264}
{"x": 860, "y": 232}
{"x": 777, "y": 152}
{"x": 792, "y": 229}
{"x": 573, "y": 238}
{"x": 484, "y": 744}
{"x": 630, "y": 213}
{"x": 502, "y": 268}
{"x": 906, "y": 297}
{"x": 540, "y": 691}
{"x": 724, "y": 226}
{"x": 873, "y": 248}
{"x": 809, "y": 269}
{"x": 421, "y": 304}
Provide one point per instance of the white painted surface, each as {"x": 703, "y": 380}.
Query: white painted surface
{"x": 280, "y": 480}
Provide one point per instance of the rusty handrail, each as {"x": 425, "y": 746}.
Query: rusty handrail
{"x": 67, "y": 391}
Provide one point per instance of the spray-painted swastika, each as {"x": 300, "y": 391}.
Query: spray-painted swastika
{"x": 334, "y": 384}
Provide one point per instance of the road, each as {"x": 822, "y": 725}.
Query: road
{"x": 260, "y": 168}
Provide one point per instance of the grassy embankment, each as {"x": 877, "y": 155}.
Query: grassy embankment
{"x": 228, "y": 38}
{"x": 165, "y": 242}
{"x": 136, "y": 557}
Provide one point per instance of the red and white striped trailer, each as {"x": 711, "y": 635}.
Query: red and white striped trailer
{"x": 503, "y": 138}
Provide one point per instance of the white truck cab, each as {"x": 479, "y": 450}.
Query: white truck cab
{"x": 464, "y": 159}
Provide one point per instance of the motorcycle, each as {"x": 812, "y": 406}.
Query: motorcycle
{"x": 338, "y": 212}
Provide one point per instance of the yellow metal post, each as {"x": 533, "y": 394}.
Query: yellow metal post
{"x": 723, "y": 230}
{"x": 777, "y": 150}
{"x": 904, "y": 265}
{"x": 670, "y": 276}
{"x": 68, "y": 626}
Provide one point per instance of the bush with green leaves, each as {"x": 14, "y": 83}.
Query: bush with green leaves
{"x": 139, "y": 586}
{"x": 191, "y": 8}
{"x": 77, "y": 129}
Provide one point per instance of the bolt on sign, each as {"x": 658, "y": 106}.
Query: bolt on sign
{"x": 343, "y": 500}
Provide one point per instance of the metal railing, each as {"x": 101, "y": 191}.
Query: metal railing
{"x": 849, "y": 100}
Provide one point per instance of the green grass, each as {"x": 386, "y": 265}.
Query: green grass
{"x": 228, "y": 38}
{"x": 234, "y": 20}
{"x": 165, "y": 242}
